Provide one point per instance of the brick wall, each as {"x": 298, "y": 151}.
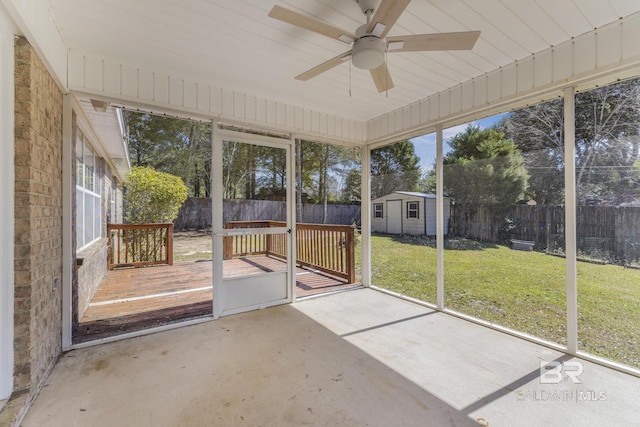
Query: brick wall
{"x": 38, "y": 220}
{"x": 91, "y": 273}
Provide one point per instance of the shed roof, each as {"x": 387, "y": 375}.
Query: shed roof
{"x": 416, "y": 194}
{"x": 413, "y": 194}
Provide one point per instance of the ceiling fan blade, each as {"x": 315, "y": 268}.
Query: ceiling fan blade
{"x": 382, "y": 78}
{"x": 325, "y": 66}
{"x": 387, "y": 14}
{"x": 464, "y": 40}
{"x": 294, "y": 18}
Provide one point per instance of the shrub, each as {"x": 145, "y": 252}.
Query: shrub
{"x": 152, "y": 196}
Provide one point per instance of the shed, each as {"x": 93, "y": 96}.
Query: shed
{"x": 407, "y": 212}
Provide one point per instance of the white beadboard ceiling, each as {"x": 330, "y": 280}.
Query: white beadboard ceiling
{"x": 235, "y": 45}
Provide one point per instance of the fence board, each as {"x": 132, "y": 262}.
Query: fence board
{"x": 195, "y": 213}
{"x": 608, "y": 233}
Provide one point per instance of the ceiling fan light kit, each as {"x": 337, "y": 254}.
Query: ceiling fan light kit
{"x": 368, "y": 44}
{"x": 368, "y": 52}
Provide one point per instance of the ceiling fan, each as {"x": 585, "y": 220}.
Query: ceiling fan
{"x": 369, "y": 45}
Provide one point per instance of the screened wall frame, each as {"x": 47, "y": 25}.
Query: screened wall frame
{"x": 568, "y": 95}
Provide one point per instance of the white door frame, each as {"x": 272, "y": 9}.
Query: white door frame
{"x": 218, "y": 231}
{"x": 7, "y": 183}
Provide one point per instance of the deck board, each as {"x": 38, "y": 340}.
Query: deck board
{"x": 132, "y": 299}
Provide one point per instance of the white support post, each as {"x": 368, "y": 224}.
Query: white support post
{"x": 291, "y": 217}
{"x": 365, "y": 214}
{"x": 216, "y": 217}
{"x": 570, "y": 219}
{"x": 67, "y": 221}
{"x": 439, "y": 221}
{"x": 7, "y": 184}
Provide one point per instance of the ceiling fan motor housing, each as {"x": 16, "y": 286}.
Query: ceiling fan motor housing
{"x": 368, "y": 52}
{"x": 367, "y": 6}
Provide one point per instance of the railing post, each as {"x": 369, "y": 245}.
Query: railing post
{"x": 170, "y": 244}
{"x": 267, "y": 244}
{"x": 227, "y": 245}
{"x": 351, "y": 254}
{"x": 109, "y": 248}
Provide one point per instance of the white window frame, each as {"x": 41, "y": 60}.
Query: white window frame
{"x": 411, "y": 208}
{"x": 87, "y": 190}
{"x": 378, "y": 208}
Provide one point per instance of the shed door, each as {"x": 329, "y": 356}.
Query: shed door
{"x": 394, "y": 216}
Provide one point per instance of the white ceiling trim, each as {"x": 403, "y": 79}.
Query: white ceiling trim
{"x": 601, "y": 56}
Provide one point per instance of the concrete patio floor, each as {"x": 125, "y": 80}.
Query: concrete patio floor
{"x": 348, "y": 359}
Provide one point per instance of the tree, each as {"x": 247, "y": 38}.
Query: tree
{"x": 607, "y": 144}
{"x": 351, "y": 192}
{"x": 323, "y": 172}
{"x": 152, "y": 196}
{"x": 394, "y": 168}
{"x": 484, "y": 169}
{"x": 427, "y": 182}
{"x": 179, "y": 147}
{"x": 252, "y": 171}
{"x": 238, "y": 172}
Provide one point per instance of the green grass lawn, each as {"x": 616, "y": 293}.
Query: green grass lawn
{"x": 520, "y": 290}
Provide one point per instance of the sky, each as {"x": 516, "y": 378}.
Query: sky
{"x": 425, "y": 145}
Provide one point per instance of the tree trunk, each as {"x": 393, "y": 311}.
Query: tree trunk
{"x": 196, "y": 181}
{"x": 325, "y": 176}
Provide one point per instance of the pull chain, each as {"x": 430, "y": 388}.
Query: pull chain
{"x": 386, "y": 76}
{"x": 349, "y": 78}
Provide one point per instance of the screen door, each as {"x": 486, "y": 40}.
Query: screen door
{"x": 252, "y": 222}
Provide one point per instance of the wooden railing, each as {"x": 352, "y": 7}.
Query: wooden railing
{"x": 137, "y": 245}
{"x": 327, "y": 248}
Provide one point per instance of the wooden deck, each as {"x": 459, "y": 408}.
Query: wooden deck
{"x": 132, "y": 299}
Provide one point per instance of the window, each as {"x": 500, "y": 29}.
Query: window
{"x": 412, "y": 210}
{"x": 88, "y": 200}
{"x": 377, "y": 210}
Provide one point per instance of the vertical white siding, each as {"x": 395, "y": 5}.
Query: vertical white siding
{"x": 413, "y": 225}
{"x": 107, "y": 78}
{"x": 431, "y": 216}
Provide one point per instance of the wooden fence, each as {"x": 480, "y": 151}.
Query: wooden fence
{"x": 195, "y": 213}
{"x": 607, "y": 233}
{"x": 137, "y": 245}
{"x": 327, "y": 248}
